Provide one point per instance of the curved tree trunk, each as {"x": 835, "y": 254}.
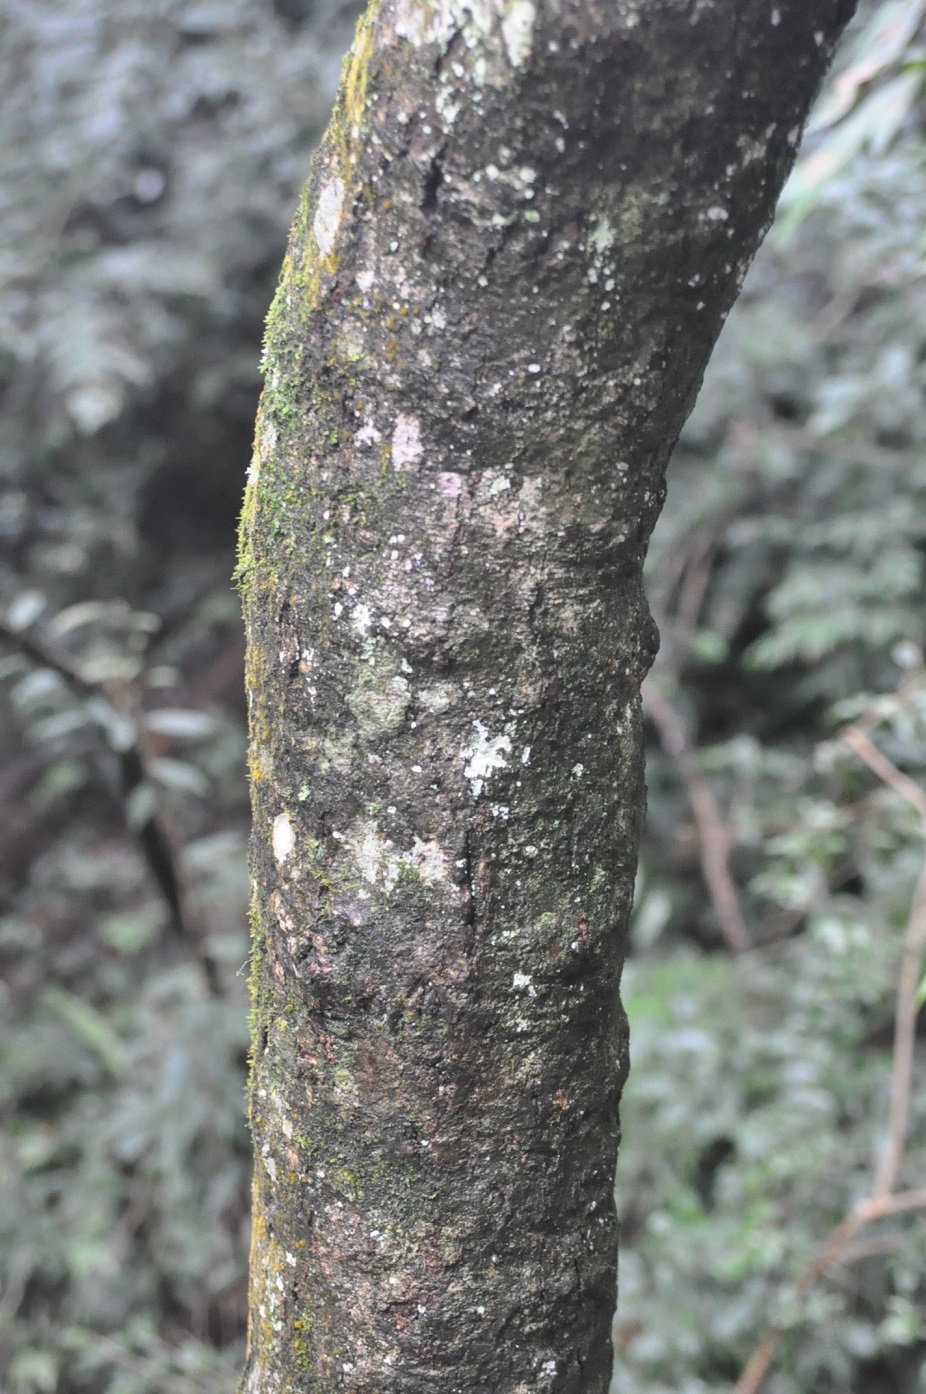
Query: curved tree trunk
{"x": 518, "y": 244}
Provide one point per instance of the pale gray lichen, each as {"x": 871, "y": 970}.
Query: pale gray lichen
{"x": 484, "y": 755}
{"x": 328, "y": 214}
{"x": 282, "y": 837}
{"x": 380, "y": 863}
{"x": 406, "y": 442}
{"x": 518, "y": 31}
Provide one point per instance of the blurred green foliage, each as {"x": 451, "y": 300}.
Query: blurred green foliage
{"x": 152, "y": 156}
{"x": 787, "y": 573}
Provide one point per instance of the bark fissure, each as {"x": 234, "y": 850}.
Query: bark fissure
{"x": 516, "y": 247}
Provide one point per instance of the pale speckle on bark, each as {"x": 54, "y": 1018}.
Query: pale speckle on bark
{"x": 328, "y": 215}
{"x": 284, "y": 839}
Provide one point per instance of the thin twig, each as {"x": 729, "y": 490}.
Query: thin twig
{"x": 799, "y": 438}
{"x": 885, "y": 769}
{"x": 714, "y": 841}
{"x": 836, "y": 310}
{"x": 44, "y": 656}
{"x": 694, "y": 589}
{"x": 910, "y": 971}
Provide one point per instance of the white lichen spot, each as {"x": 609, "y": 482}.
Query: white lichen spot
{"x": 406, "y": 442}
{"x": 368, "y": 846}
{"x": 446, "y": 106}
{"x": 428, "y": 859}
{"x": 520, "y": 981}
{"x": 271, "y": 1166}
{"x": 484, "y": 756}
{"x": 450, "y": 484}
{"x": 328, "y": 214}
{"x": 379, "y": 863}
{"x": 750, "y": 151}
{"x": 282, "y": 837}
{"x": 498, "y": 486}
{"x": 526, "y": 755}
{"x": 368, "y": 434}
{"x": 715, "y": 214}
{"x": 365, "y": 281}
{"x": 437, "y": 698}
{"x": 601, "y": 238}
{"x": 410, "y": 22}
{"x": 578, "y": 771}
{"x": 776, "y": 17}
{"x": 518, "y": 31}
{"x": 361, "y": 618}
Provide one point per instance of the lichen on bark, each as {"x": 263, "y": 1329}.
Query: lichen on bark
{"x": 516, "y": 247}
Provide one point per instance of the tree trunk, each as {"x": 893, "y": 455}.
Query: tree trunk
{"x": 518, "y": 243}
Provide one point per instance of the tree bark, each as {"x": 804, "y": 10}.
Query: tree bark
{"x": 517, "y": 246}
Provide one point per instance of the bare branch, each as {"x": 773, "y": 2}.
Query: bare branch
{"x": 885, "y": 769}
{"x": 714, "y": 841}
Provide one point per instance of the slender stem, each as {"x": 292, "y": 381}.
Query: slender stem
{"x": 714, "y": 841}
{"x": 885, "y": 769}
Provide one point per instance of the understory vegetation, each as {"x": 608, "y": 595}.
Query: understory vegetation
{"x": 772, "y": 1182}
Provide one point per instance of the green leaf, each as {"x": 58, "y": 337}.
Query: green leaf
{"x": 921, "y": 992}
{"x": 34, "y": 1372}
{"x": 177, "y": 774}
{"x": 25, "y": 609}
{"x": 708, "y": 647}
{"x": 88, "y": 1025}
{"x": 181, "y": 723}
{"x": 141, "y": 805}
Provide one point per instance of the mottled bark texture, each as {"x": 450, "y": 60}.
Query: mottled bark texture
{"x": 517, "y": 246}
